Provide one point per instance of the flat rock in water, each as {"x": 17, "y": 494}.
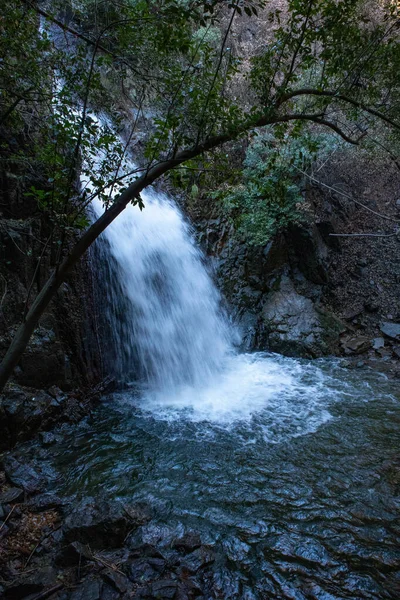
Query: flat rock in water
{"x": 391, "y": 330}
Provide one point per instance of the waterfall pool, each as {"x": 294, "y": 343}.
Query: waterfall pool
{"x": 290, "y": 469}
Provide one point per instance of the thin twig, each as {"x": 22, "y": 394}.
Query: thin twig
{"x": 7, "y": 517}
{"x": 364, "y": 234}
{"x": 48, "y": 593}
{"x": 348, "y": 197}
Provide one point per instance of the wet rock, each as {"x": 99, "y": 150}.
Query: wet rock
{"x": 117, "y": 581}
{"x": 356, "y": 345}
{"x": 187, "y": 543}
{"x": 165, "y": 588}
{"x": 391, "y": 330}
{"x": 22, "y": 475}
{"x": 378, "y": 343}
{"x": 89, "y": 590}
{"x": 294, "y": 325}
{"x": 102, "y": 524}
{"x": 198, "y": 559}
{"x": 44, "y": 502}
{"x": 11, "y": 496}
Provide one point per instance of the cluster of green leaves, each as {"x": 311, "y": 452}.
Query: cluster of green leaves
{"x": 269, "y": 196}
{"x": 339, "y": 45}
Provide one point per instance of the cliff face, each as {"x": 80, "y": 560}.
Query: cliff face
{"x": 59, "y": 352}
{"x": 307, "y": 292}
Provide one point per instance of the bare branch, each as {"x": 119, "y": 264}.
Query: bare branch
{"x": 336, "y": 96}
{"x": 374, "y": 212}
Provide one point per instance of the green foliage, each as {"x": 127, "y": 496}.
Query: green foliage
{"x": 269, "y": 198}
{"x": 176, "y": 60}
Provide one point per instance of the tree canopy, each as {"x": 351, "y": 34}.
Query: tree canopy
{"x": 176, "y": 72}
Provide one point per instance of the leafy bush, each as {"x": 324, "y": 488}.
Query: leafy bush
{"x": 270, "y": 197}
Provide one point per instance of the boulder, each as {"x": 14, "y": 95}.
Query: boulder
{"x": 294, "y": 325}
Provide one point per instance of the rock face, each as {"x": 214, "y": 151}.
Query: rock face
{"x": 24, "y": 411}
{"x": 308, "y": 292}
{"x": 274, "y": 292}
{"x": 59, "y": 351}
{"x": 295, "y": 327}
{"x": 102, "y": 524}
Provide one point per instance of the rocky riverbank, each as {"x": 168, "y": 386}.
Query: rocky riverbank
{"x": 91, "y": 549}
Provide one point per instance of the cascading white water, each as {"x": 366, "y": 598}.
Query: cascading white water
{"x": 169, "y": 334}
{"x": 175, "y": 332}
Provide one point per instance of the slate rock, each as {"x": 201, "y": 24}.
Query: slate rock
{"x": 199, "y": 559}
{"x": 102, "y": 524}
{"x": 396, "y": 351}
{"x": 109, "y": 593}
{"x": 391, "y": 330}
{"x": 49, "y": 439}
{"x": 356, "y": 345}
{"x": 145, "y": 569}
{"x": 12, "y": 496}
{"x": 89, "y": 590}
{"x": 378, "y": 343}
{"x": 73, "y": 554}
{"x": 165, "y": 588}
{"x": 22, "y": 475}
{"x": 187, "y": 543}
{"x": 117, "y": 581}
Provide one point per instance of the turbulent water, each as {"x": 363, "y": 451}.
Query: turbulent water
{"x": 172, "y": 331}
{"x": 289, "y": 468}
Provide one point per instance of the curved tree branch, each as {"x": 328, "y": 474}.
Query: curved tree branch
{"x": 341, "y": 97}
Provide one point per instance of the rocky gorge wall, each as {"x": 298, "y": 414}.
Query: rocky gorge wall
{"x": 62, "y": 361}
{"x": 307, "y": 292}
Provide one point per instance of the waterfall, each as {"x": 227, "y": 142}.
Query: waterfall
{"x": 164, "y": 308}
